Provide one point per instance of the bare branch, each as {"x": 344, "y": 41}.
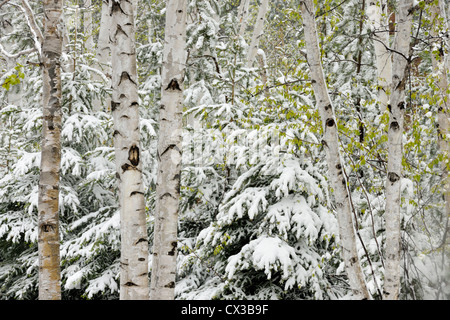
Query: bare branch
{"x": 15, "y": 55}
{"x": 37, "y": 33}
{"x": 3, "y": 3}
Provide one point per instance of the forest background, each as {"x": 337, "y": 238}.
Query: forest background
{"x": 257, "y": 211}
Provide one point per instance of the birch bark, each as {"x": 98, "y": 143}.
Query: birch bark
{"x": 103, "y": 53}
{"x": 48, "y": 203}
{"x": 125, "y": 109}
{"x": 87, "y": 15}
{"x": 169, "y": 153}
{"x": 331, "y": 146}
{"x": 257, "y": 32}
{"x": 377, "y": 13}
{"x": 395, "y": 149}
{"x": 242, "y": 16}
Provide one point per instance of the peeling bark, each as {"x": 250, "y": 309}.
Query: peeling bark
{"x": 134, "y": 239}
{"x": 48, "y": 203}
{"x": 331, "y": 146}
{"x": 169, "y": 153}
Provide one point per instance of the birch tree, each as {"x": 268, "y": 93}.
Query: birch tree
{"x": 395, "y": 148}
{"x": 331, "y": 145}
{"x": 257, "y": 32}
{"x": 242, "y": 16}
{"x": 169, "y": 153}
{"x": 48, "y": 204}
{"x": 103, "y": 51}
{"x": 88, "y": 27}
{"x": 125, "y": 109}
{"x": 377, "y": 14}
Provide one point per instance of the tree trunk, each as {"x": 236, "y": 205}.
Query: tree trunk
{"x": 377, "y": 13}
{"x": 395, "y": 149}
{"x": 48, "y": 203}
{"x": 257, "y": 32}
{"x": 88, "y": 28}
{"x": 169, "y": 153}
{"x": 242, "y": 16}
{"x": 331, "y": 145}
{"x": 125, "y": 109}
{"x": 103, "y": 53}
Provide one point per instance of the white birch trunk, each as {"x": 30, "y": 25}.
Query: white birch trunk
{"x": 169, "y": 153}
{"x": 395, "y": 149}
{"x": 242, "y": 16}
{"x": 257, "y": 32}
{"x": 331, "y": 146}
{"x": 125, "y": 109}
{"x": 88, "y": 28}
{"x": 103, "y": 53}
{"x": 377, "y": 13}
{"x": 48, "y": 203}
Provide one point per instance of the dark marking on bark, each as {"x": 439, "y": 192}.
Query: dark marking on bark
{"x": 338, "y": 166}
{"x": 328, "y": 107}
{"x": 125, "y": 76}
{"x": 389, "y": 107}
{"x": 344, "y": 182}
{"x": 130, "y": 284}
{"x": 134, "y": 104}
{"x": 133, "y": 155}
{"x": 167, "y": 194}
{"x": 176, "y": 177}
{"x": 116, "y": 132}
{"x": 324, "y": 143}
{"x": 126, "y": 167}
{"x": 174, "y": 248}
{"x": 114, "y": 105}
{"x": 173, "y": 85}
{"x": 353, "y": 260}
{"x": 394, "y": 125}
{"x": 393, "y": 177}
{"x": 170, "y": 285}
{"x": 47, "y": 227}
{"x": 141, "y": 240}
{"x": 170, "y": 147}
{"x": 141, "y": 259}
{"x": 329, "y": 122}
{"x": 115, "y": 7}
{"x": 135, "y": 193}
